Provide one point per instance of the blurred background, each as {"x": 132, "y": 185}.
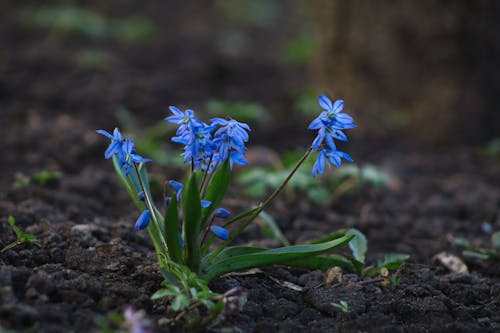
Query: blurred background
{"x": 411, "y": 72}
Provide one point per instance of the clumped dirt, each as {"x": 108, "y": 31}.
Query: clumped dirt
{"x": 91, "y": 261}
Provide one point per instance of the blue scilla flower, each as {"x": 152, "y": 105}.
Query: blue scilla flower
{"x": 222, "y": 213}
{"x": 230, "y": 139}
{"x": 220, "y": 232}
{"x": 330, "y": 125}
{"x": 116, "y": 142}
{"x": 199, "y": 147}
{"x": 329, "y": 157}
{"x": 177, "y": 187}
{"x": 143, "y": 220}
{"x": 124, "y": 148}
{"x": 184, "y": 119}
{"x": 130, "y": 156}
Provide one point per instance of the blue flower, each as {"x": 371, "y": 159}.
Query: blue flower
{"x": 124, "y": 148}
{"x": 330, "y": 125}
{"x": 116, "y": 142}
{"x": 222, "y": 213}
{"x": 130, "y": 156}
{"x": 184, "y": 119}
{"x": 143, "y": 220}
{"x": 220, "y": 232}
{"x": 177, "y": 186}
{"x": 230, "y": 139}
{"x": 329, "y": 157}
{"x": 199, "y": 147}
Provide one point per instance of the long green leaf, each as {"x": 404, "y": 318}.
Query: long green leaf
{"x": 233, "y": 251}
{"x": 280, "y": 255}
{"x": 323, "y": 263}
{"x": 191, "y": 212}
{"x": 217, "y": 189}
{"x": 172, "y": 230}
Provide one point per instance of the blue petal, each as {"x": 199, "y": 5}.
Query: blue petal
{"x": 177, "y": 186}
{"x": 325, "y": 103}
{"x": 316, "y": 124}
{"x": 222, "y": 213}
{"x": 205, "y": 203}
{"x": 220, "y": 232}
{"x": 176, "y": 111}
{"x": 112, "y": 149}
{"x": 105, "y": 133}
{"x": 338, "y": 106}
{"x": 143, "y": 220}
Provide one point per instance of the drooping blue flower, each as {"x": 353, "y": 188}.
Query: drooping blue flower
{"x": 177, "y": 187}
{"x": 124, "y": 148}
{"x": 230, "y": 139}
{"x": 330, "y": 125}
{"x": 143, "y": 220}
{"x": 116, "y": 142}
{"x": 328, "y": 157}
{"x": 220, "y": 232}
{"x": 222, "y": 213}
{"x": 199, "y": 147}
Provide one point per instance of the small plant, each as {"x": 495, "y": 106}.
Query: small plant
{"x": 183, "y": 233}
{"x": 342, "y": 306}
{"x": 41, "y": 178}
{"x": 130, "y": 321}
{"x": 475, "y": 252}
{"x": 22, "y": 238}
{"x": 347, "y": 178}
{"x": 356, "y": 262}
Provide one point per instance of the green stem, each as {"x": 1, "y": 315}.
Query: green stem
{"x": 260, "y": 208}
{"x": 157, "y": 233}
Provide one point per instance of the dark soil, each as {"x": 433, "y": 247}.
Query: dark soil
{"x": 92, "y": 261}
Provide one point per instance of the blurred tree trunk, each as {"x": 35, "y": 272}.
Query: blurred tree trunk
{"x": 428, "y": 67}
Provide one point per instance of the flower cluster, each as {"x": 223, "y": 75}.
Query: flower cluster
{"x": 124, "y": 149}
{"x": 330, "y": 125}
{"x": 208, "y": 146}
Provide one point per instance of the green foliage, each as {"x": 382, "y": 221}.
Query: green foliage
{"x": 78, "y": 21}
{"x": 342, "y": 306}
{"x": 356, "y": 262}
{"x": 475, "y": 252}
{"x": 243, "y": 111}
{"x": 93, "y": 59}
{"x": 492, "y": 148}
{"x": 191, "y": 295}
{"x": 41, "y": 178}
{"x": 22, "y": 238}
{"x": 299, "y": 50}
{"x": 257, "y": 181}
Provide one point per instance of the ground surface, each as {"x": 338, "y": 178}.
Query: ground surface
{"x": 91, "y": 260}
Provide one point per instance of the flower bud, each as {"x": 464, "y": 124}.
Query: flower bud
{"x": 141, "y": 196}
{"x": 222, "y": 213}
{"x": 220, "y": 232}
{"x": 143, "y": 220}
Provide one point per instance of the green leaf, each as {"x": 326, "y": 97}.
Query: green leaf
{"x": 462, "y": 242}
{"x": 172, "y": 230}
{"x": 217, "y": 189}
{"x": 191, "y": 212}
{"x": 17, "y": 231}
{"x": 282, "y": 255}
{"x": 358, "y": 245}
{"x": 234, "y": 251}
{"x": 163, "y": 293}
{"x": 475, "y": 255}
{"x": 328, "y": 237}
{"x": 393, "y": 261}
{"x": 271, "y": 229}
{"x": 323, "y": 263}
{"x": 495, "y": 239}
